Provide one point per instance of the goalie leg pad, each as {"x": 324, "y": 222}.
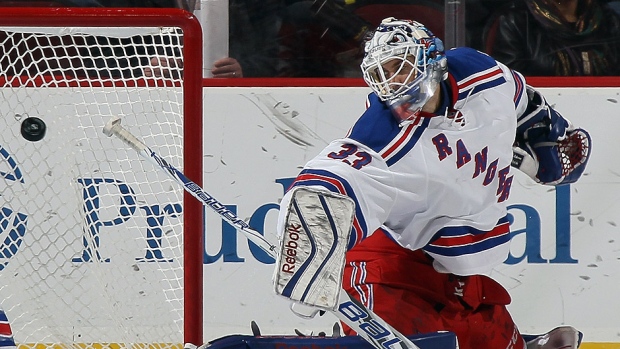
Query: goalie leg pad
{"x": 310, "y": 264}
{"x": 563, "y": 337}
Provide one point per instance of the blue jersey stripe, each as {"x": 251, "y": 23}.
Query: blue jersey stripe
{"x": 497, "y": 80}
{"x": 457, "y": 241}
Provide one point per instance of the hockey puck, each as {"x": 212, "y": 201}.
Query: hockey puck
{"x": 33, "y": 129}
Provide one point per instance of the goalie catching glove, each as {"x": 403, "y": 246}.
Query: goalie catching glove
{"x": 547, "y": 147}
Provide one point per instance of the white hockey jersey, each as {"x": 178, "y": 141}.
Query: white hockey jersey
{"x": 438, "y": 183}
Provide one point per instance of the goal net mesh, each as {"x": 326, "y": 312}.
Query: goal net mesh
{"x": 91, "y": 236}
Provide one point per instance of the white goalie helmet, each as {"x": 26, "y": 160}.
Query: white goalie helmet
{"x": 420, "y": 67}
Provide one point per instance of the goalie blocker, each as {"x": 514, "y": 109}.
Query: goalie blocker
{"x": 310, "y": 265}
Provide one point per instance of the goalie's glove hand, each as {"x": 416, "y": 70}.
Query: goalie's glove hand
{"x": 558, "y": 128}
{"x": 552, "y": 155}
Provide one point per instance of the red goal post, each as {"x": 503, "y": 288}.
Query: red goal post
{"x": 96, "y": 248}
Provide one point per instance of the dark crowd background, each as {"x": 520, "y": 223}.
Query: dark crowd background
{"x": 324, "y": 38}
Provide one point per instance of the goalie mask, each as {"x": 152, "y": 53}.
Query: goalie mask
{"x": 416, "y": 62}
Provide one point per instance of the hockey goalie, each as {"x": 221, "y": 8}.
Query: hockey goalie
{"x": 407, "y": 213}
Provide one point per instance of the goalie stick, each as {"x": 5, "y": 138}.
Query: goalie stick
{"x": 349, "y": 310}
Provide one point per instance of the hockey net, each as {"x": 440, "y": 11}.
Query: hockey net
{"x": 97, "y": 248}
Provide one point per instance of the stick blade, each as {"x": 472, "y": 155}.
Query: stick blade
{"x": 109, "y": 126}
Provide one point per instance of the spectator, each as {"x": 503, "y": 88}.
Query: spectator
{"x": 324, "y": 38}
{"x": 428, "y": 168}
{"x": 556, "y": 38}
{"x": 253, "y": 30}
{"x": 253, "y": 45}
{"x": 115, "y": 57}
{"x": 321, "y": 38}
{"x": 477, "y": 14}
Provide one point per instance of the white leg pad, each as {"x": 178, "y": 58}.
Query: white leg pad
{"x": 311, "y": 260}
{"x": 564, "y": 337}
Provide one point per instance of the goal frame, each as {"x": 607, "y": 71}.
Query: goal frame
{"x": 192, "y": 115}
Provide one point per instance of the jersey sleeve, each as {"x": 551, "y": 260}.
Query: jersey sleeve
{"x": 520, "y": 97}
{"x": 349, "y": 168}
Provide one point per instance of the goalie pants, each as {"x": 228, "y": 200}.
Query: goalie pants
{"x": 403, "y": 288}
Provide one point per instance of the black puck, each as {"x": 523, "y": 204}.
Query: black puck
{"x": 33, "y": 129}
